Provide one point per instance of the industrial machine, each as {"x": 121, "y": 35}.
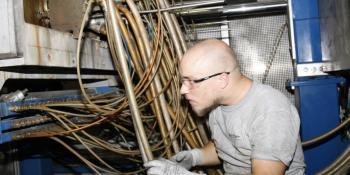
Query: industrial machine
{"x": 320, "y": 35}
{"x": 91, "y": 86}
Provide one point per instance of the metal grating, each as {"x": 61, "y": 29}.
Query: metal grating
{"x": 252, "y": 39}
{"x": 196, "y": 34}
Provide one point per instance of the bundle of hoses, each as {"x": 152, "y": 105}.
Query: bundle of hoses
{"x": 146, "y": 50}
{"x": 340, "y": 166}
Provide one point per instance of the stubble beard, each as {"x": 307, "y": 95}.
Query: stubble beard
{"x": 203, "y": 111}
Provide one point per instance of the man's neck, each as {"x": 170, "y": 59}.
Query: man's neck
{"x": 237, "y": 91}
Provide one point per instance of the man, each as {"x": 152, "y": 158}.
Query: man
{"x": 255, "y": 129}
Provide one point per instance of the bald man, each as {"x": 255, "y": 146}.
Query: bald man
{"x": 254, "y": 127}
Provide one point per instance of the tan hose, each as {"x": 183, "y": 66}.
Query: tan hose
{"x": 326, "y": 135}
{"x": 157, "y": 109}
{"x": 189, "y": 139}
{"x": 172, "y": 30}
{"x": 142, "y": 139}
{"x": 340, "y": 166}
{"x": 163, "y": 102}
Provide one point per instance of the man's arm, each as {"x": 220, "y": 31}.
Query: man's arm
{"x": 267, "y": 167}
{"x": 210, "y": 156}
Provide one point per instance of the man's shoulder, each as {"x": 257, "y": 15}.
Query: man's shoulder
{"x": 267, "y": 96}
{"x": 266, "y": 90}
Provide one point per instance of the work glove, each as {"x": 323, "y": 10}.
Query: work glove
{"x": 188, "y": 159}
{"x": 166, "y": 167}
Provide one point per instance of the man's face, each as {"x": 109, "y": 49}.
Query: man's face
{"x": 200, "y": 94}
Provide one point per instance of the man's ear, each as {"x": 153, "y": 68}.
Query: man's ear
{"x": 224, "y": 80}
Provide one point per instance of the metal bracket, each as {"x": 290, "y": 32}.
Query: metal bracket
{"x": 313, "y": 69}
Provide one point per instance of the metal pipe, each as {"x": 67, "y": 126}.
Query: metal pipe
{"x": 237, "y": 9}
{"x": 254, "y": 7}
{"x": 194, "y": 126}
{"x": 152, "y": 93}
{"x": 201, "y": 11}
{"x": 173, "y": 34}
{"x": 96, "y": 24}
{"x": 186, "y": 6}
{"x": 326, "y": 135}
{"x": 291, "y": 29}
{"x": 208, "y": 24}
{"x": 221, "y": 2}
{"x": 135, "y": 113}
{"x": 181, "y": 37}
{"x": 202, "y": 133}
{"x": 179, "y": 33}
{"x": 162, "y": 100}
{"x": 339, "y": 166}
{"x": 189, "y": 139}
{"x": 171, "y": 28}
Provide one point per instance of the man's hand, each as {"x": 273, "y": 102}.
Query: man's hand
{"x": 165, "y": 167}
{"x": 188, "y": 159}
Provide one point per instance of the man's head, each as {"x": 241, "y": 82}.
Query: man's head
{"x": 208, "y": 70}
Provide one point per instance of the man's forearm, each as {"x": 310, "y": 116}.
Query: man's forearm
{"x": 210, "y": 156}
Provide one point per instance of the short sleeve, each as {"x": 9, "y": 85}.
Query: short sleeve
{"x": 275, "y": 136}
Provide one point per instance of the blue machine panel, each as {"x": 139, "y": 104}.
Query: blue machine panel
{"x": 307, "y": 31}
{"x": 317, "y": 101}
{"x": 305, "y": 9}
{"x": 308, "y": 40}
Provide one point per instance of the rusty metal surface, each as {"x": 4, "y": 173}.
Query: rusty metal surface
{"x": 36, "y": 12}
{"x": 66, "y": 15}
{"x": 47, "y": 47}
{"x": 40, "y": 46}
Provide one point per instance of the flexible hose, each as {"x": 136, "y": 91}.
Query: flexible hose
{"x": 340, "y": 166}
{"x": 142, "y": 139}
{"x": 326, "y": 135}
{"x": 156, "y": 79}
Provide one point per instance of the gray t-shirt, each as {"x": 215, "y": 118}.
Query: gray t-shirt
{"x": 264, "y": 125}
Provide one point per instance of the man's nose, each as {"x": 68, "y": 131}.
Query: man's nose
{"x": 184, "y": 89}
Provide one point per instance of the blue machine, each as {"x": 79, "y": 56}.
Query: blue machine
{"x": 318, "y": 105}
{"x": 317, "y": 95}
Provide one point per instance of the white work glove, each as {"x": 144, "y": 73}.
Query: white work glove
{"x": 188, "y": 159}
{"x": 166, "y": 167}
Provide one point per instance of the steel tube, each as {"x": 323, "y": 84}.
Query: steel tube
{"x": 135, "y": 113}
{"x": 152, "y": 93}
{"x": 236, "y": 9}
{"x": 171, "y": 28}
{"x": 291, "y": 29}
{"x": 186, "y": 6}
{"x": 253, "y": 7}
{"x": 339, "y": 165}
